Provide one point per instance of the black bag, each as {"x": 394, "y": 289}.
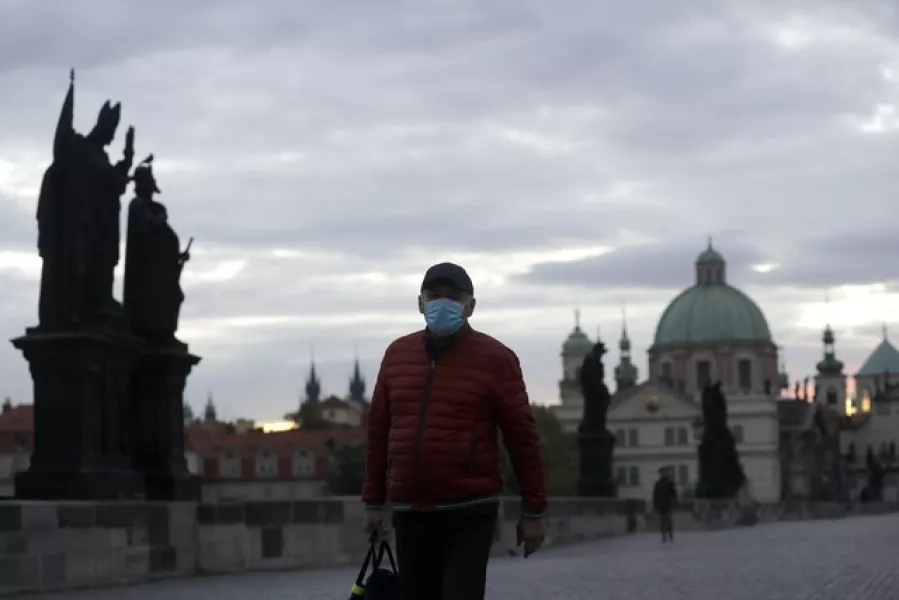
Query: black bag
{"x": 382, "y": 584}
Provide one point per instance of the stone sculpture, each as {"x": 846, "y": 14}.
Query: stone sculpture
{"x": 596, "y": 443}
{"x": 108, "y": 404}
{"x": 153, "y": 263}
{"x": 720, "y": 472}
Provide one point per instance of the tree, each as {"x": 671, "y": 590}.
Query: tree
{"x": 559, "y": 452}
{"x": 350, "y": 473}
{"x": 188, "y": 413}
{"x": 310, "y": 417}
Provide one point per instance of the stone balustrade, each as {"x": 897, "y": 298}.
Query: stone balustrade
{"x": 63, "y": 545}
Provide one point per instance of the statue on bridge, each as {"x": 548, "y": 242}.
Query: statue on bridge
{"x": 595, "y": 442}
{"x": 153, "y": 264}
{"x": 91, "y": 372}
{"x": 720, "y": 472}
{"x": 78, "y": 221}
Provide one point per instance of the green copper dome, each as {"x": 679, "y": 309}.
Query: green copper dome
{"x": 884, "y": 359}
{"x": 712, "y": 311}
{"x": 577, "y": 343}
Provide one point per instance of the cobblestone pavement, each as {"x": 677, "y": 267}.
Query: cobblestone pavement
{"x": 850, "y": 559}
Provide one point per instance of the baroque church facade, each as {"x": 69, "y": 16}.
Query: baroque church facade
{"x": 710, "y": 332}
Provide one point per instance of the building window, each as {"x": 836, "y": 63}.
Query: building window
{"x": 634, "y": 476}
{"x": 230, "y": 467}
{"x": 621, "y": 476}
{"x": 744, "y": 374}
{"x": 621, "y": 437}
{"x": 669, "y": 436}
{"x": 703, "y": 373}
{"x": 683, "y": 436}
{"x": 633, "y": 437}
{"x": 266, "y": 466}
{"x": 737, "y": 430}
{"x": 667, "y": 375}
{"x": 303, "y": 464}
{"x": 683, "y": 474}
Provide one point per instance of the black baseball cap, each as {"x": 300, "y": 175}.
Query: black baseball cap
{"x": 449, "y": 273}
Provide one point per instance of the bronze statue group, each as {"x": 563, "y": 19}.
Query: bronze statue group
{"x": 79, "y": 235}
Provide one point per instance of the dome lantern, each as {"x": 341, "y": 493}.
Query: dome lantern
{"x": 711, "y": 311}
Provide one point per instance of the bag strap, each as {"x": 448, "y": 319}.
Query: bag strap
{"x": 370, "y": 557}
{"x": 385, "y": 549}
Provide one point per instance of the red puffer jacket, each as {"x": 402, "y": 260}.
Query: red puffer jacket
{"x": 432, "y": 427}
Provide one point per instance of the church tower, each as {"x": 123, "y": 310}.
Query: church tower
{"x": 626, "y": 371}
{"x": 830, "y": 381}
{"x": 313, "y": 386}
{"x": 209, "y": 413}
{"x": 357, "y": 386}
{"x": 576, "y": 347}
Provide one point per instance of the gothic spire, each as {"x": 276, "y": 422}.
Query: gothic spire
{"x": 626, "y": 371}
{"x": 209, "y": 413}
{"x": 313, "y": 386}
{"x": 357, "y": 384}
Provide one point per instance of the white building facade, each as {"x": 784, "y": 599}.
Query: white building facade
{"x": 710, "y": 332}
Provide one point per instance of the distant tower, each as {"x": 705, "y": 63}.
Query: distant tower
{"x": 209, "y": 413}
{"x": 783, "y": 378}
{"x": 313, "y": 386}
{"x": 357, "y": 385}
{"x": 830, "y": 381}
{"x": 575, "y": 348}
{"x": 625, "y": 372}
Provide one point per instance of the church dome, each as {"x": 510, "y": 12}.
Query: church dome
{"x": 711, "y": 311}
{"x": 577, "y": 343}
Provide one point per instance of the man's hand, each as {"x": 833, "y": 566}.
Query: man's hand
{"x": 531, "y": 534}
{"x": 374, "y": 524}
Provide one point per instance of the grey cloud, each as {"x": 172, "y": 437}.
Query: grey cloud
{"x": 667, "y": 264}
{"x": 862, "y": 256}
{"x": 384, "y": 134}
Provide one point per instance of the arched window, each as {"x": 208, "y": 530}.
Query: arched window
{"x": 831, "y": 397}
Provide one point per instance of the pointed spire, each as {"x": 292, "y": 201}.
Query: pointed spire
{"x": 357, "y": 384}
{"x": 783, "y": 377}
{"x": 710, "y": 243}
{"x": 577, "y": 318}
{"x": 829, "y": 365}
{"x": 313, "y": 385}
{"x": 625, "y": 372}
{"x": 625, "y": 343}
{"x": 886, "y": 336}
{"x": 210, "y": 413}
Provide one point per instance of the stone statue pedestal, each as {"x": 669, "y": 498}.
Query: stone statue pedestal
{"x": 81, "y": 438}
{"x": 596, "y": 477}
{"x": 157, "y": 430}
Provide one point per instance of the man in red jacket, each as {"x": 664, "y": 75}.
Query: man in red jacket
{"x": 433, "y": 453}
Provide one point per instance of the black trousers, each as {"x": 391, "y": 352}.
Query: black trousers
{"x": 443, "y": 555}
{"x": 666, "y": 525}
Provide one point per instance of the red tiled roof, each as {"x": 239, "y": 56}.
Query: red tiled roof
{"x": 18, "y": 419}
{"x": 206, "y": 442}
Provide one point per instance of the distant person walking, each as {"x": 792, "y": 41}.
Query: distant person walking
{"x": 664, "y": 497}
{"x": 432, "y": 453}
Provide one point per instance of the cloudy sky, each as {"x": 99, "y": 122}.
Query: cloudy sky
{"x": 573, "y": 153}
